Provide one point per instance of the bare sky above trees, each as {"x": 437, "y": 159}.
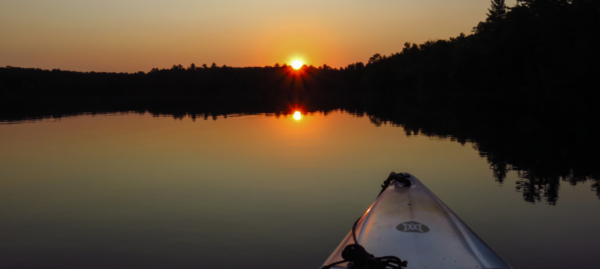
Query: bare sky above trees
{"x": 137, "y": 35}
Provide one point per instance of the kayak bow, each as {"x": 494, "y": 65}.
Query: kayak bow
{"x": 408, "y": 221}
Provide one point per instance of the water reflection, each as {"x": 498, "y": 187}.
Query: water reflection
{"x": 546, "y": 149}
{"x": 124, "y": 191}
{"x": 297, "y": 115}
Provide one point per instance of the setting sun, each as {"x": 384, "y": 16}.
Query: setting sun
{"x": 297, "y": 114}
{"x": 296, "y": 65}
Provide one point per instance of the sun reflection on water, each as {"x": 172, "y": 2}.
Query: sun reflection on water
{"x": 297, "y": 115}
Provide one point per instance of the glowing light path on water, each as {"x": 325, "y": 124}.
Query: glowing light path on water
{"x": 297, "y": 115}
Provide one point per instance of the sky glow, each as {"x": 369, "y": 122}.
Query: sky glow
{"x": 138, "y": 35}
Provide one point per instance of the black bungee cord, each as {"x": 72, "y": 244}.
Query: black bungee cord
{"x": 356, "y": 254}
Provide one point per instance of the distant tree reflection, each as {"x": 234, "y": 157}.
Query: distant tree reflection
{"x": 545, "y": 154}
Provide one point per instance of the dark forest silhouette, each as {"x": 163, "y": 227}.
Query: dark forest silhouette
{"x": 523, "y": 88}
{"x": 536, "y": 47}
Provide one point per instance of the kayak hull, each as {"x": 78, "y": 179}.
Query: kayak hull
{"x": 415, "y": 225}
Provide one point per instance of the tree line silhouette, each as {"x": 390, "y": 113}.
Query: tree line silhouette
{"x": 535, "y": 47}
{"x": 522, "y": 88}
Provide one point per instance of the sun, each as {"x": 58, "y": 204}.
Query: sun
{"x": 297, "y": 64}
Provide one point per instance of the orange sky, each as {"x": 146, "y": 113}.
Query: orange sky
{"x": 137, "y": 35}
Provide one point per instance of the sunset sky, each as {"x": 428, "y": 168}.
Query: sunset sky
{"x": 137, "y": 35}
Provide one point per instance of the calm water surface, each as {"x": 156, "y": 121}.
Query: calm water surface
{"x": 136, "y": 191}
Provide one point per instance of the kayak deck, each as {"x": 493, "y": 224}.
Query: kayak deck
{"x": 414, "y": 225}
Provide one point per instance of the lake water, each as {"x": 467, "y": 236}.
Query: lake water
{"x": 255, "y": 191}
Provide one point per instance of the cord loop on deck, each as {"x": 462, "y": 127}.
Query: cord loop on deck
{"x": 356, "y": 254}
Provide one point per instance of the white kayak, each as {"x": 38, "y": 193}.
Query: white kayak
{"x": 411, "y": 223}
